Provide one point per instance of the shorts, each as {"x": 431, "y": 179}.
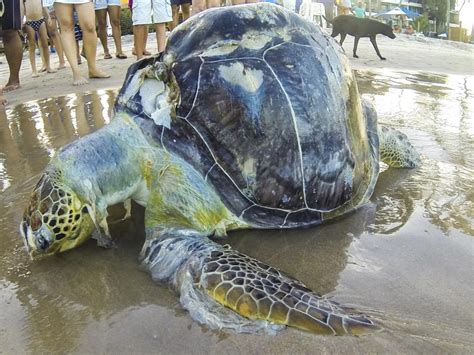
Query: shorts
{"x": 11, "y": 19}
{"x": 146, "y": 12}
{"x": 48, "y": 3}
{"x": 102, "y": 4}
{"x": 180, "y": 2}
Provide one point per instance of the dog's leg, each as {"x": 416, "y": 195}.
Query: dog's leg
{"x": 343, "y": 37}
{"x": 356, "y": 43}
{"x": 374, "y": 43}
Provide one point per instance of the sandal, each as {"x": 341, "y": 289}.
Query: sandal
{"x": 107, "y": 56}
{"x": 120, "y": 56}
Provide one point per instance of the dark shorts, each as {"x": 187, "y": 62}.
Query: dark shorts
{"x": 11, "y": 19}
{"x": 180, "y": 2}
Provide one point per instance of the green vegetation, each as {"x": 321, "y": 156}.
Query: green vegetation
{"x": 126, "y": 22}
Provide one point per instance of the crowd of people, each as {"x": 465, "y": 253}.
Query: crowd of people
{"x": 63, "y": 23}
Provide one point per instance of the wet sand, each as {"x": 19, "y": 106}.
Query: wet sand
{"x": 406, "y": 53}
{"x": 405, "y": 259}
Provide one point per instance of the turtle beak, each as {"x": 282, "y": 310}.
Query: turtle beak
{"x": 37, "y": 242}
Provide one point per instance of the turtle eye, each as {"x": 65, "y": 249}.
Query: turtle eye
{"x": 35, "y": 222}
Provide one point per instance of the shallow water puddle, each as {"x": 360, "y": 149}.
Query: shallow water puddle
{"x": 406, "y": 258}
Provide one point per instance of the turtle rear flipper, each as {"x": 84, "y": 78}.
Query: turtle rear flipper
{"x": 210, "y": 276}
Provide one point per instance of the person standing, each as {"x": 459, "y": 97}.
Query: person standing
{"x": 145, "y": 33}
{"x": 85, "y": 12}
{"x": 35, "y": 24}
{"x": 359, "y": 10}
{"x": 156, "y": 12}
{"x": 343, "y": 7}
{"x": 10, "y": 24}
{"x": 185, "y": 6}
{"x": 53, "y": 33}
{"x": 111, "y": 7}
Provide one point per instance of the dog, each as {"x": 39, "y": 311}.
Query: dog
{"x": 360, "y": 27}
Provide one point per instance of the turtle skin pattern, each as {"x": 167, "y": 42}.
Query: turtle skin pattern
{"x": 258, "y": 291}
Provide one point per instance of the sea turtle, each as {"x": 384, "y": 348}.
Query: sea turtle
{"x": 251, "y": 118}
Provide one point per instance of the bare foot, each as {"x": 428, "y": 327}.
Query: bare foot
{"x": 145, "y": 52}
{"x": 43, "y": 69}
{"x": 80, "y": 80}
{"x": 98, "y": 74}
{"x": 3, "y": 100}
{"x": 11, "y": 87}
{"x": 34, "y": 75}
{"x": 61, "y": 66}
{"x": 50, "y": 70}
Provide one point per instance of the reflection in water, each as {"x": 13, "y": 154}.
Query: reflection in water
{"x": 437, "y": 112}
{"x": 30, "y": 134}
{"x": 54, "y": 304}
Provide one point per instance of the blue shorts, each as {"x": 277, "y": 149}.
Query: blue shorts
{"x": 102, "y": 4}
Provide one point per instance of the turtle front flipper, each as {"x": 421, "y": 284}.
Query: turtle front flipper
{"x": 209, "y": 276}
{"x": 396, "y": 150}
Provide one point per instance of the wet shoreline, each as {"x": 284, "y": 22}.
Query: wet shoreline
{"x": 405, "y": 258}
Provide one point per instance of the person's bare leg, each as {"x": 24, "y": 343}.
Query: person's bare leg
{"x": 101, "y": 16}
{"x": 238, "y": 2}
{"x": 78, "y": 53}
{"x": 186, "y": 10}
{"x": 114, "y": 15}
{"x": 175, "y": 14}
{"x": 30, "y": 34}
{"x": 160, "y": 29}
{"x": 43, "y": 42}
{"x": 66, "y": 22}
{"x": 56, "y": 38}
{"x": 198, "y": 6}
{"x": 213, "y": 3}
{"x": 145, "y": 40}
{"x": 14, "y": 53}
{"x": 43, "y": 60}
{"x": 138, "y": 31}
{"x": 85, "y": 13}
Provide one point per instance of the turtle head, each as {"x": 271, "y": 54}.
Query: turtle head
{"x": 55, "y": 219}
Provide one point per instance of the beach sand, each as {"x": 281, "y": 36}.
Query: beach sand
{"x": 404, "y": 259}
{"x": 405, "y": 53}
